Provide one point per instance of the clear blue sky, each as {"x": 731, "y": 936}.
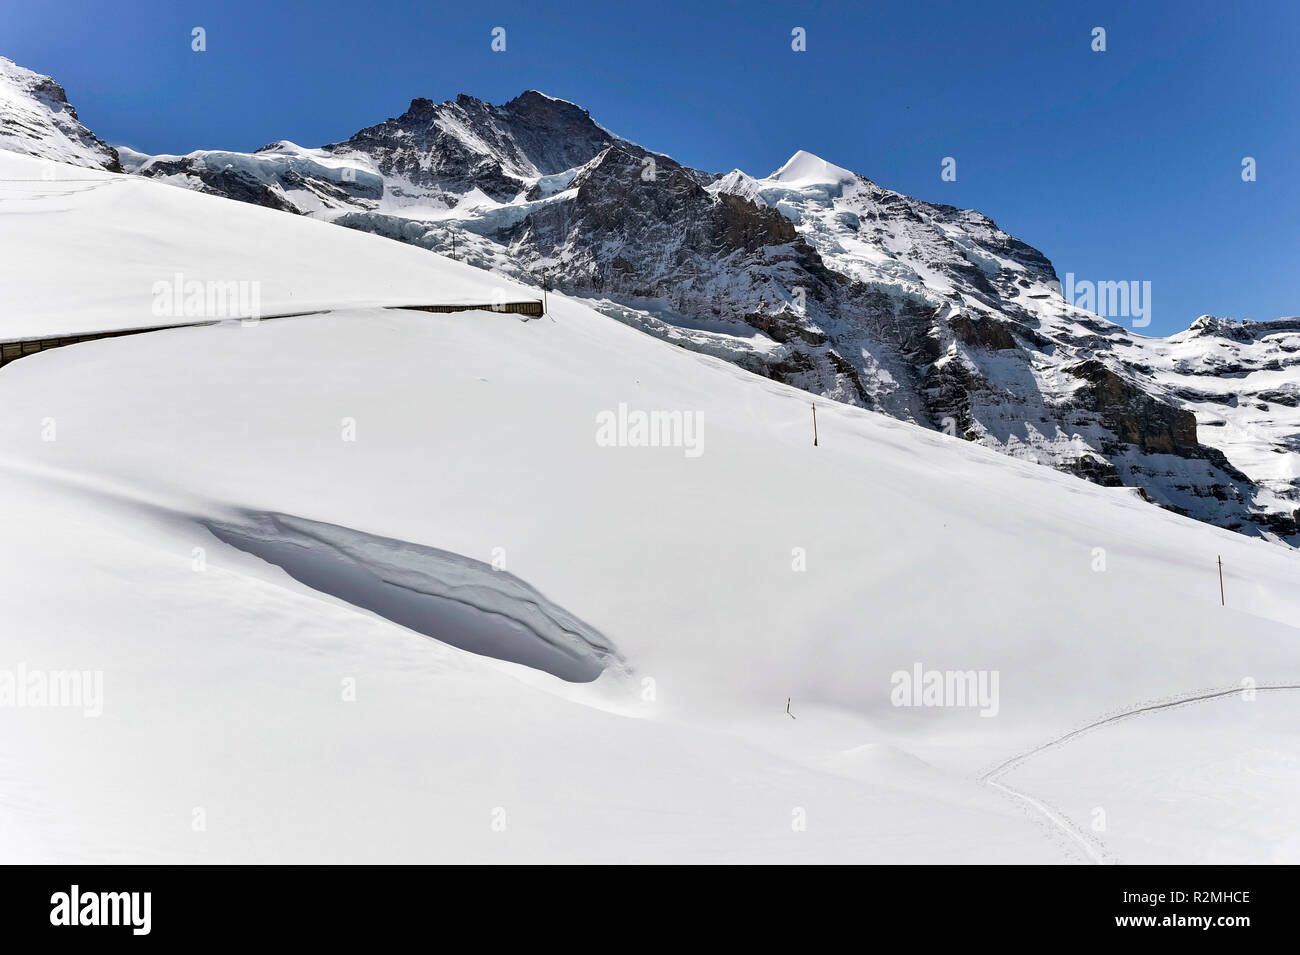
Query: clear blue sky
{"x": 1118, "y": 165}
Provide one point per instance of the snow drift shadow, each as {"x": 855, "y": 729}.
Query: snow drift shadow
{"x": 444, "y": 595}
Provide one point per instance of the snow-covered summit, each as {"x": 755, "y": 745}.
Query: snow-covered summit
{"x": 737, "y": 183}
{"x": 806, "y": 169}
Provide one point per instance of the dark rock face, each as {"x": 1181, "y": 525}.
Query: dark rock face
{"x": 550, "y": 134}
{"x": 1098, "y": 470}
{"x": 1135, "y": 416}
{"x": 637, "y": 231}
{"x": 532, "y": 135}
{"x": 620, "y": 204}
{"x": 982, "y": 333}
{"x": 746, "y": 226}
{"x": 228, "y": 182}
{"x": 414, "y": 148}
{"x": 784, "y": 327}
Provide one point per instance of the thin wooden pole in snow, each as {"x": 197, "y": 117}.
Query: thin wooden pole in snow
{"x": 814, "y": 408}
{"x": 1222, "y": 602}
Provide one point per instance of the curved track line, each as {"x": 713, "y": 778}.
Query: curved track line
{"x": 1097, "y": 853}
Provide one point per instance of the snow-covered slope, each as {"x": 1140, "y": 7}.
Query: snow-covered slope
{"x": 271, "y": 540}
{"x": 176, "y": 259}
{"x": 1242, "y": 380}
{"x": 814, "y": 276}
{"x": 37, "y": 120}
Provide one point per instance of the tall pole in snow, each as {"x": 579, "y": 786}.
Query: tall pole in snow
{"x": 1222, "y": 602}
{"x": 814, "y": 408}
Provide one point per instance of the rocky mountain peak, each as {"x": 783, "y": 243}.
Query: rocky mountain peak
{"x": 537, "y": 101}
{"x": 467, "y": 143}
{"x": 420, "y": 106}
{"x": 36, "y": 119}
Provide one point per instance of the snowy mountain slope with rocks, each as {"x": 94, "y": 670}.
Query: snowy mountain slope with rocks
{"x": 282, "y": 176}
{"x": 817, "y": 277}
{"x": 1240, "y": 380}
{"x": 37, "y": 120}
{"x": 270, "y": 540}
{"x": 998, "y": 354}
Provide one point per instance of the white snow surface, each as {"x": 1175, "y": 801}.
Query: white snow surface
{"x": 85, "y": 251}
{"x": 249, "y": 715}
{"x": 805, "y": 169}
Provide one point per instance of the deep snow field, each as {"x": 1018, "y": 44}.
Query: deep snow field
{"x": 276, "y": 540}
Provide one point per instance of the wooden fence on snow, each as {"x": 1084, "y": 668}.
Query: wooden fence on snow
{"x": 22, "y": 347}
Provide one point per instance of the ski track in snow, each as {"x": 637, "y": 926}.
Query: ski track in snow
{"x": 1094, "y": 848}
